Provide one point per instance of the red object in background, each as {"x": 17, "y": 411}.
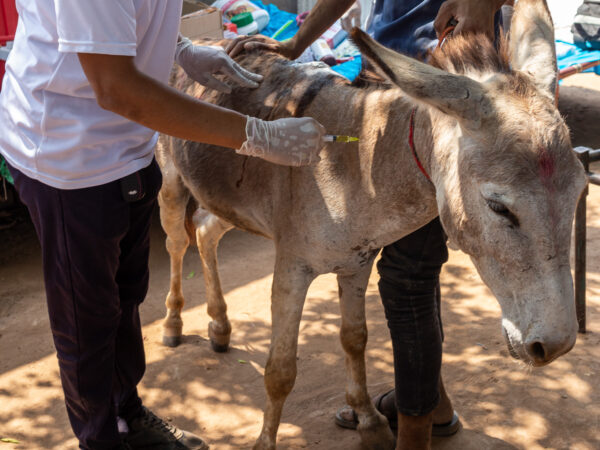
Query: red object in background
{"x": 8, "y": 20}
{"x": 8, "y": 25}
{"x": 230, "y": 26}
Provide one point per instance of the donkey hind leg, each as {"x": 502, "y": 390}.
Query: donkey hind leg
{"x": 209, "y": 231}
{"x": 291, "y": 280}
{"x": 173, "y": 199}
{"x": 373, "y": 426}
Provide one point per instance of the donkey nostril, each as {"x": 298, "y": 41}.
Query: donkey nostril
{"x": 537, "y": 351}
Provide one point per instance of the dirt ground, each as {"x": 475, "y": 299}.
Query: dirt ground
{"x": 502, "y": 403}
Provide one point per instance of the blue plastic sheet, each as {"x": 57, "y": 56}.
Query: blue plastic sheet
{"x": 569, "y": 55}
{"x": 277, "y": 18}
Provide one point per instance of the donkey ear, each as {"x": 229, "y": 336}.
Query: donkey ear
{"x": 456, "y": 95}
{"x": 531, "y": 43}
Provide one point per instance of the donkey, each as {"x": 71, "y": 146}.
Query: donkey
{"x": 498, "y": 169}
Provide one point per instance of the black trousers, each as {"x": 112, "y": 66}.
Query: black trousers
{"x": 95, "y": 248}
{"x": 409, "y": 286}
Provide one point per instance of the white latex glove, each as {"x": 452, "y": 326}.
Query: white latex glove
{"x": 200, "y": 63}
{"x": 351, "y": 18}
{"x": 289, "y": 142}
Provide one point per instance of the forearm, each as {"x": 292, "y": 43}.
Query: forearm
{"x": 165, "y": 109}
{"x": 124, "y": 90}
{"x": 148, "y": 102}
{"x": 321, "y": 17}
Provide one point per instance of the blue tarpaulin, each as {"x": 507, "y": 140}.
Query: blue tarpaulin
{"x": 569, "y": 55}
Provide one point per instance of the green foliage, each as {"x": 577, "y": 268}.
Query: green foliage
{"x": 4, "y": 173}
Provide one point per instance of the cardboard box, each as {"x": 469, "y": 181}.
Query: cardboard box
{"x": 199, "y": 20}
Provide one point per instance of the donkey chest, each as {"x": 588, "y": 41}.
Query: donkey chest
{"x": 351, "y": 250}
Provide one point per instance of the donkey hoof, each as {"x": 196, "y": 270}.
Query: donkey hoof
{"x": 219, "y": 348}
{"x": 375, "y": 434}
{"x": 171, "y": 341}
{"x": 219, "y": 335}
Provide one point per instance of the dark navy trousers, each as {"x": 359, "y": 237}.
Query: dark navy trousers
{"x": 95, "y": 248}
{"x": 409, "y": 286}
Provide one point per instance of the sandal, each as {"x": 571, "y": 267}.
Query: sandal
{"x": 441, "y": 430}
{"x": 448, "y": 428}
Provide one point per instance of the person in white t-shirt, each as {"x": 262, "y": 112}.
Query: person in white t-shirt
{"x": 82, "y": 100}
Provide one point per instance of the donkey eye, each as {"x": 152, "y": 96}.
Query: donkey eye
{"x": 497, "y": 207}
{"x": 502, "y": 210}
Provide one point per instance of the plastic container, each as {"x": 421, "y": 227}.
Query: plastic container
{"x": 322, "y": 52}
{"x": 245, "y": 23}
{"x": 333, "y": 35}
{"x": 230, "y": 8}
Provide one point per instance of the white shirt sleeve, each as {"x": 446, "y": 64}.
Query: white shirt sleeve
{"x": 96, "y": 26}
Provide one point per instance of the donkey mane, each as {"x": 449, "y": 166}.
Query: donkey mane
{"x": 368, "y": 78}
{"x": 463, "y": 55}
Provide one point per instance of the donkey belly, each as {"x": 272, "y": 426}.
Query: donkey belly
{"x": 233, "y": 187}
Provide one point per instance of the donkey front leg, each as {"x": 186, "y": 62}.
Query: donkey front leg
{"x": 209, "y": 231}
{"x": 291, "y": 280}
{"x": 173, "y": 199}
{"x": 372, "y": 426}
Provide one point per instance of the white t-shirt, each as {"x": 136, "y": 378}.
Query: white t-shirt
{"x": 51, "y": 127}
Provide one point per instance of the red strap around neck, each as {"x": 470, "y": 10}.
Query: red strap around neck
{"x": 411, "y": 134}
{"x": 411, "y": 143}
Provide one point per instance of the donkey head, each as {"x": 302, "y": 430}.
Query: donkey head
{"x": 506, "y": 178}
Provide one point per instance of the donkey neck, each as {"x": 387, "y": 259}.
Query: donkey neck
{"x": 398, "y": 194}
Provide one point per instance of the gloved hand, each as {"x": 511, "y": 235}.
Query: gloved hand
{"x": 200, "y": 63}
{"x": 351, "y": 18}
{"x": 289, "y": 142}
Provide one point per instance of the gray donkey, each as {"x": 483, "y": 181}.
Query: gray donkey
{"x": 498, "y": 169}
